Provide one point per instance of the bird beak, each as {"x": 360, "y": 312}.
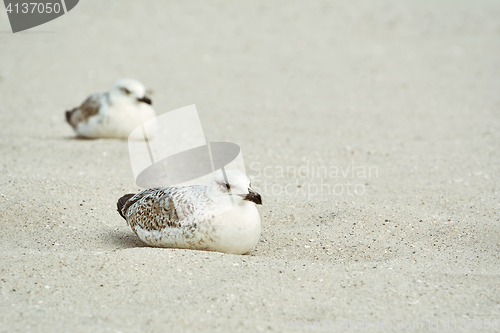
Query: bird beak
{"x": 145, "y": 99}
{"x": 253, "y": 197}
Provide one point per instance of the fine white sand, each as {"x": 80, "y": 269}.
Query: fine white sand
{"x": 397, "y": 100}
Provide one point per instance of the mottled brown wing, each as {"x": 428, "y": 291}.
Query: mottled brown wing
{"x": 152, "y": 209}
{"x": 90, "y": 107}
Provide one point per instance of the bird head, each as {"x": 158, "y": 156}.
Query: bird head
{"x": 129, "y": 91}
{"x": 234, "y": 184}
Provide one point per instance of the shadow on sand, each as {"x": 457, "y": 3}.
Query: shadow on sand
{"x": 122, "y": 239}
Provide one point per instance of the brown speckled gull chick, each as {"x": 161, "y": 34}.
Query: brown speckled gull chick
{"x": 221, "y": 216}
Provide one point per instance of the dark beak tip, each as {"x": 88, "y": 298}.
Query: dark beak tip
{"x": 259, "y": 200}
{"x": 146, "y": 100}
{"x": 254, "y": 197}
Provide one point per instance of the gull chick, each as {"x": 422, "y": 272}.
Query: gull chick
{"x": 113, "y": 114}
{"x": 221, "y": 216}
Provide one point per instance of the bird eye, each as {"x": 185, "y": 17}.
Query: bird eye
{"x": 125, "y": 90}
{"x": 227, "y": 186}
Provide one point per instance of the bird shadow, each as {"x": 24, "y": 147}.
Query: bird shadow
{"x": 76, "y": 137}
{"x": 83, "y": 138}
{"x": 122, "y": 239}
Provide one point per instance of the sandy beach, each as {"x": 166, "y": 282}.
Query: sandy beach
{"x": 371, "y": 129}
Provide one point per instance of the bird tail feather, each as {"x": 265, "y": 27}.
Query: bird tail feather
{"x": 69, "y": 114}
{"x": 121, "y": 203}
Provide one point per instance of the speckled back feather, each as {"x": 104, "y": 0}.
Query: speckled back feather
{"x": 174, "y": 207}
{"x": 90, "y": 107}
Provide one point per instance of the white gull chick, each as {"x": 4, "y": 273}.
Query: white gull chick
{"x": 112, "y": 114}
{"x": 221, "y": 216}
